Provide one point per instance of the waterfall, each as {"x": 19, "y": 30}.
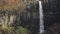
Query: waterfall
{"x": 41, "y": 18}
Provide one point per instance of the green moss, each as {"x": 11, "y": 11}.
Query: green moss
{"x": 16, "y": 30}
{"x": 21, "y": 30}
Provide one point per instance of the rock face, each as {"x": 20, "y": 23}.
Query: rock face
{"x": 6, "y": 21}
{"x": 51, "y": 13}
{"x": 29, "y": 19}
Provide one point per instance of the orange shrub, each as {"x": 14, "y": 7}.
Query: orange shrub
{"x": 11, "y": 4}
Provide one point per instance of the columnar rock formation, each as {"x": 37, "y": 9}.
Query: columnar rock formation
{"x": 6, "y": 21}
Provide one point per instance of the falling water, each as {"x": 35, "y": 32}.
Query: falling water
{"x": 41, "y": 18}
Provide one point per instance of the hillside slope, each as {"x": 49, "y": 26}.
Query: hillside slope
{"x": 11, "y": 4}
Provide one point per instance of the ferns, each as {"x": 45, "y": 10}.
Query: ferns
{"x": 12, "y": 30}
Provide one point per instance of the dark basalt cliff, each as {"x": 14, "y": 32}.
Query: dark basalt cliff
{"x": 51, "y": 13}
{"x": 12, "y": 15}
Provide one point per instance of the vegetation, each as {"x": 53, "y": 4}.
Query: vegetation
{"x": 12, "y": 30}
{"x": 27, "y": 17}
{"x": 21, "y": 30}
{"x": 10, "y": 5}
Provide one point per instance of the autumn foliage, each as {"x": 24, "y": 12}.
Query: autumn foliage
{"x": 11, "y": 4}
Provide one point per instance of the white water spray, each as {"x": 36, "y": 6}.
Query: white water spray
{"x": 41, "y": 18}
